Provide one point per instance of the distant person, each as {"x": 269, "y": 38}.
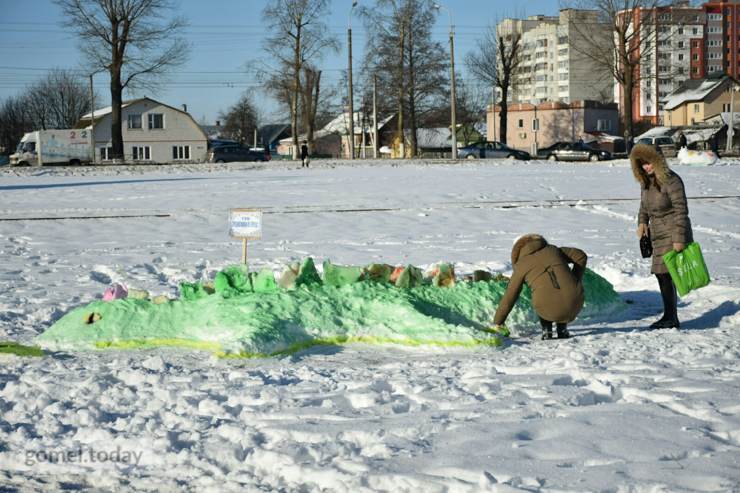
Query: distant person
{"x": 682, "y": 142}
{"x": 664, "y": 217}
{"x": 714, "y": 142}
{"x": 557, "y": 290}
{"x": 304, "y": 154}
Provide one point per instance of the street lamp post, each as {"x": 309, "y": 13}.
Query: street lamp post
{"x": 349, "y": 76}
{"x": 453, "y": 116}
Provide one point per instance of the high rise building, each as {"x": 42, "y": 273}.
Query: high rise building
{"x": 553, "y": 66}
{"x": 723, "y": 37}
{"x": 670, "y": 49}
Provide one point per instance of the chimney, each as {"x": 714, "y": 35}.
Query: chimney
{"x": 185, "y": 108}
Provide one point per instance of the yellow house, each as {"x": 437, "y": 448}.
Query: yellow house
{"x": 698, "y": 99}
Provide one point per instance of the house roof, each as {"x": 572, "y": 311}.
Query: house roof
{"x": 694, "y": 90}
{"x": 339, "y": 126}
{"x": 657, "y": 132}
{"x": 101, "y": 112}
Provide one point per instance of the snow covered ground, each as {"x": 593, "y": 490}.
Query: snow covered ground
{"x": 616, "y": 408}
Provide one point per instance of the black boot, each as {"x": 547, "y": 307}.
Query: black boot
{"x": 670, "y": 300}
{"x": 546, "y": 329}
{"x": 563, "y": 331}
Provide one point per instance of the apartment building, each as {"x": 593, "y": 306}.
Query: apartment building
{"x": 553, "y": 66}
{"x": 671, "y": 50}
{"x": 723, "y": 37}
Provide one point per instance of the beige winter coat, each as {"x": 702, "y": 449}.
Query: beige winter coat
{"x": 663, "y": 204}
{"x": 557, "y": 291}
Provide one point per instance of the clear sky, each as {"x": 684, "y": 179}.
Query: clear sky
{"x": 224, "y": 35}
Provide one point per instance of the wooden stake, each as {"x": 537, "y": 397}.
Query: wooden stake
{"x": 244, "y": 251}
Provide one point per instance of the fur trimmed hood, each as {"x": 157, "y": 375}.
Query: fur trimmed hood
{"x": 648, "y": 154}
{"x": 526, "y": 245}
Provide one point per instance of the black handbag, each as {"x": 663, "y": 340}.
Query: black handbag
{"x": 646, "y": 246}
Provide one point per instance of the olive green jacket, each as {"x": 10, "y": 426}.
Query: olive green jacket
{"x": 557, "y": 291}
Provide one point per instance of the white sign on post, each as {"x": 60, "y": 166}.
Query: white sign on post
{"x": 247, "y": 225}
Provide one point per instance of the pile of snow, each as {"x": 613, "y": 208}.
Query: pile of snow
{"x": 696, "y": 158}
{"x": 617, "y": 407}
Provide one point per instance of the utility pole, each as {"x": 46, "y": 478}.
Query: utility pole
{"x": 453, "y": 119}
{"x": 453, "y": 116}
{"x": 731, "y": 123}
{"x": 375, "y": 116}
{"x": 349, "y": 76}
{"x": 92, "y": 121}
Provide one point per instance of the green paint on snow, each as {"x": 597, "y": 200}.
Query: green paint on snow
{"x": 8, "y": 347}
{"x": 249, "y": 316}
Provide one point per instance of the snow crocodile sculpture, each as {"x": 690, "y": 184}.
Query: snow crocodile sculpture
{"x": 242, "y": 314}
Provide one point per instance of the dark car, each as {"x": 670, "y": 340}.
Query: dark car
{"x": 231, "y": 153}
{"x": 573, "y": 151}
{"x": 481, "y": 150}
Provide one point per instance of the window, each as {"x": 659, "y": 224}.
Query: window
{"x": 134, "y": 121}
{"x": 696, "y": 108}
{"x": 715, "y": 29}
{"x": 714, "y": 17}
{"x": 141, "y": 153}
{"x": 715, "y": 42}
{"x": 649, "y": 109}
{"x": 603, "y": 125}
{"x": 695, "y": 30}
{"x": 695, "y": 56}
{"x": 180, "y": 152}
{"x": 725, "y": 107}
{"x": 521, "y": 124}
{"x": 680, "y": 56}
{"x": 106, "y": 153}
{"x": 536, "y": 124}
{"x": 680, "y": 44}
{"x": 715, "y": 56}
{"x": 156, "y": 120}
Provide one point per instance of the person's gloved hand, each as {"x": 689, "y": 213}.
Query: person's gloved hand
{"x": 642, "y": 230}
{"x": 678, "y": 246}
{"x": 499, "y": 330}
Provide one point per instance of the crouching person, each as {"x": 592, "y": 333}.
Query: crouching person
{"x": 557, "y": 290}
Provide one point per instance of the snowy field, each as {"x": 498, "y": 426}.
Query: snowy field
{"x": 618, "y": 407}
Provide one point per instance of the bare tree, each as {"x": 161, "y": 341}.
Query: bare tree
{"x": 57, "y": 101}
{"x": 131, "y": 40}
{"x": 410, "y": 67}
{"x": 624, "y": 30}
{"x": 470, "y": 109}
{"x": 311, "y": 89}
{"x": 298, "y": 35}
{"x": 14, "y": 122}
{"x": 496, "y": 62}
{"x": 241, "y": 120}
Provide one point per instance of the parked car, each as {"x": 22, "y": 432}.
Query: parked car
{"x": 546, "y": 152}
{"x": 491, "y": 150}
{"x": 574, "y": 151}
{"x": 231, "y": 153}
{"x": 664, "y": 145}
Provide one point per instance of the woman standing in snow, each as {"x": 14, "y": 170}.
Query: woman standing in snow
{"x": 664, "y": 216}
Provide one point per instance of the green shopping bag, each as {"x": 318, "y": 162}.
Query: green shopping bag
{"x": 687, "y": 268}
